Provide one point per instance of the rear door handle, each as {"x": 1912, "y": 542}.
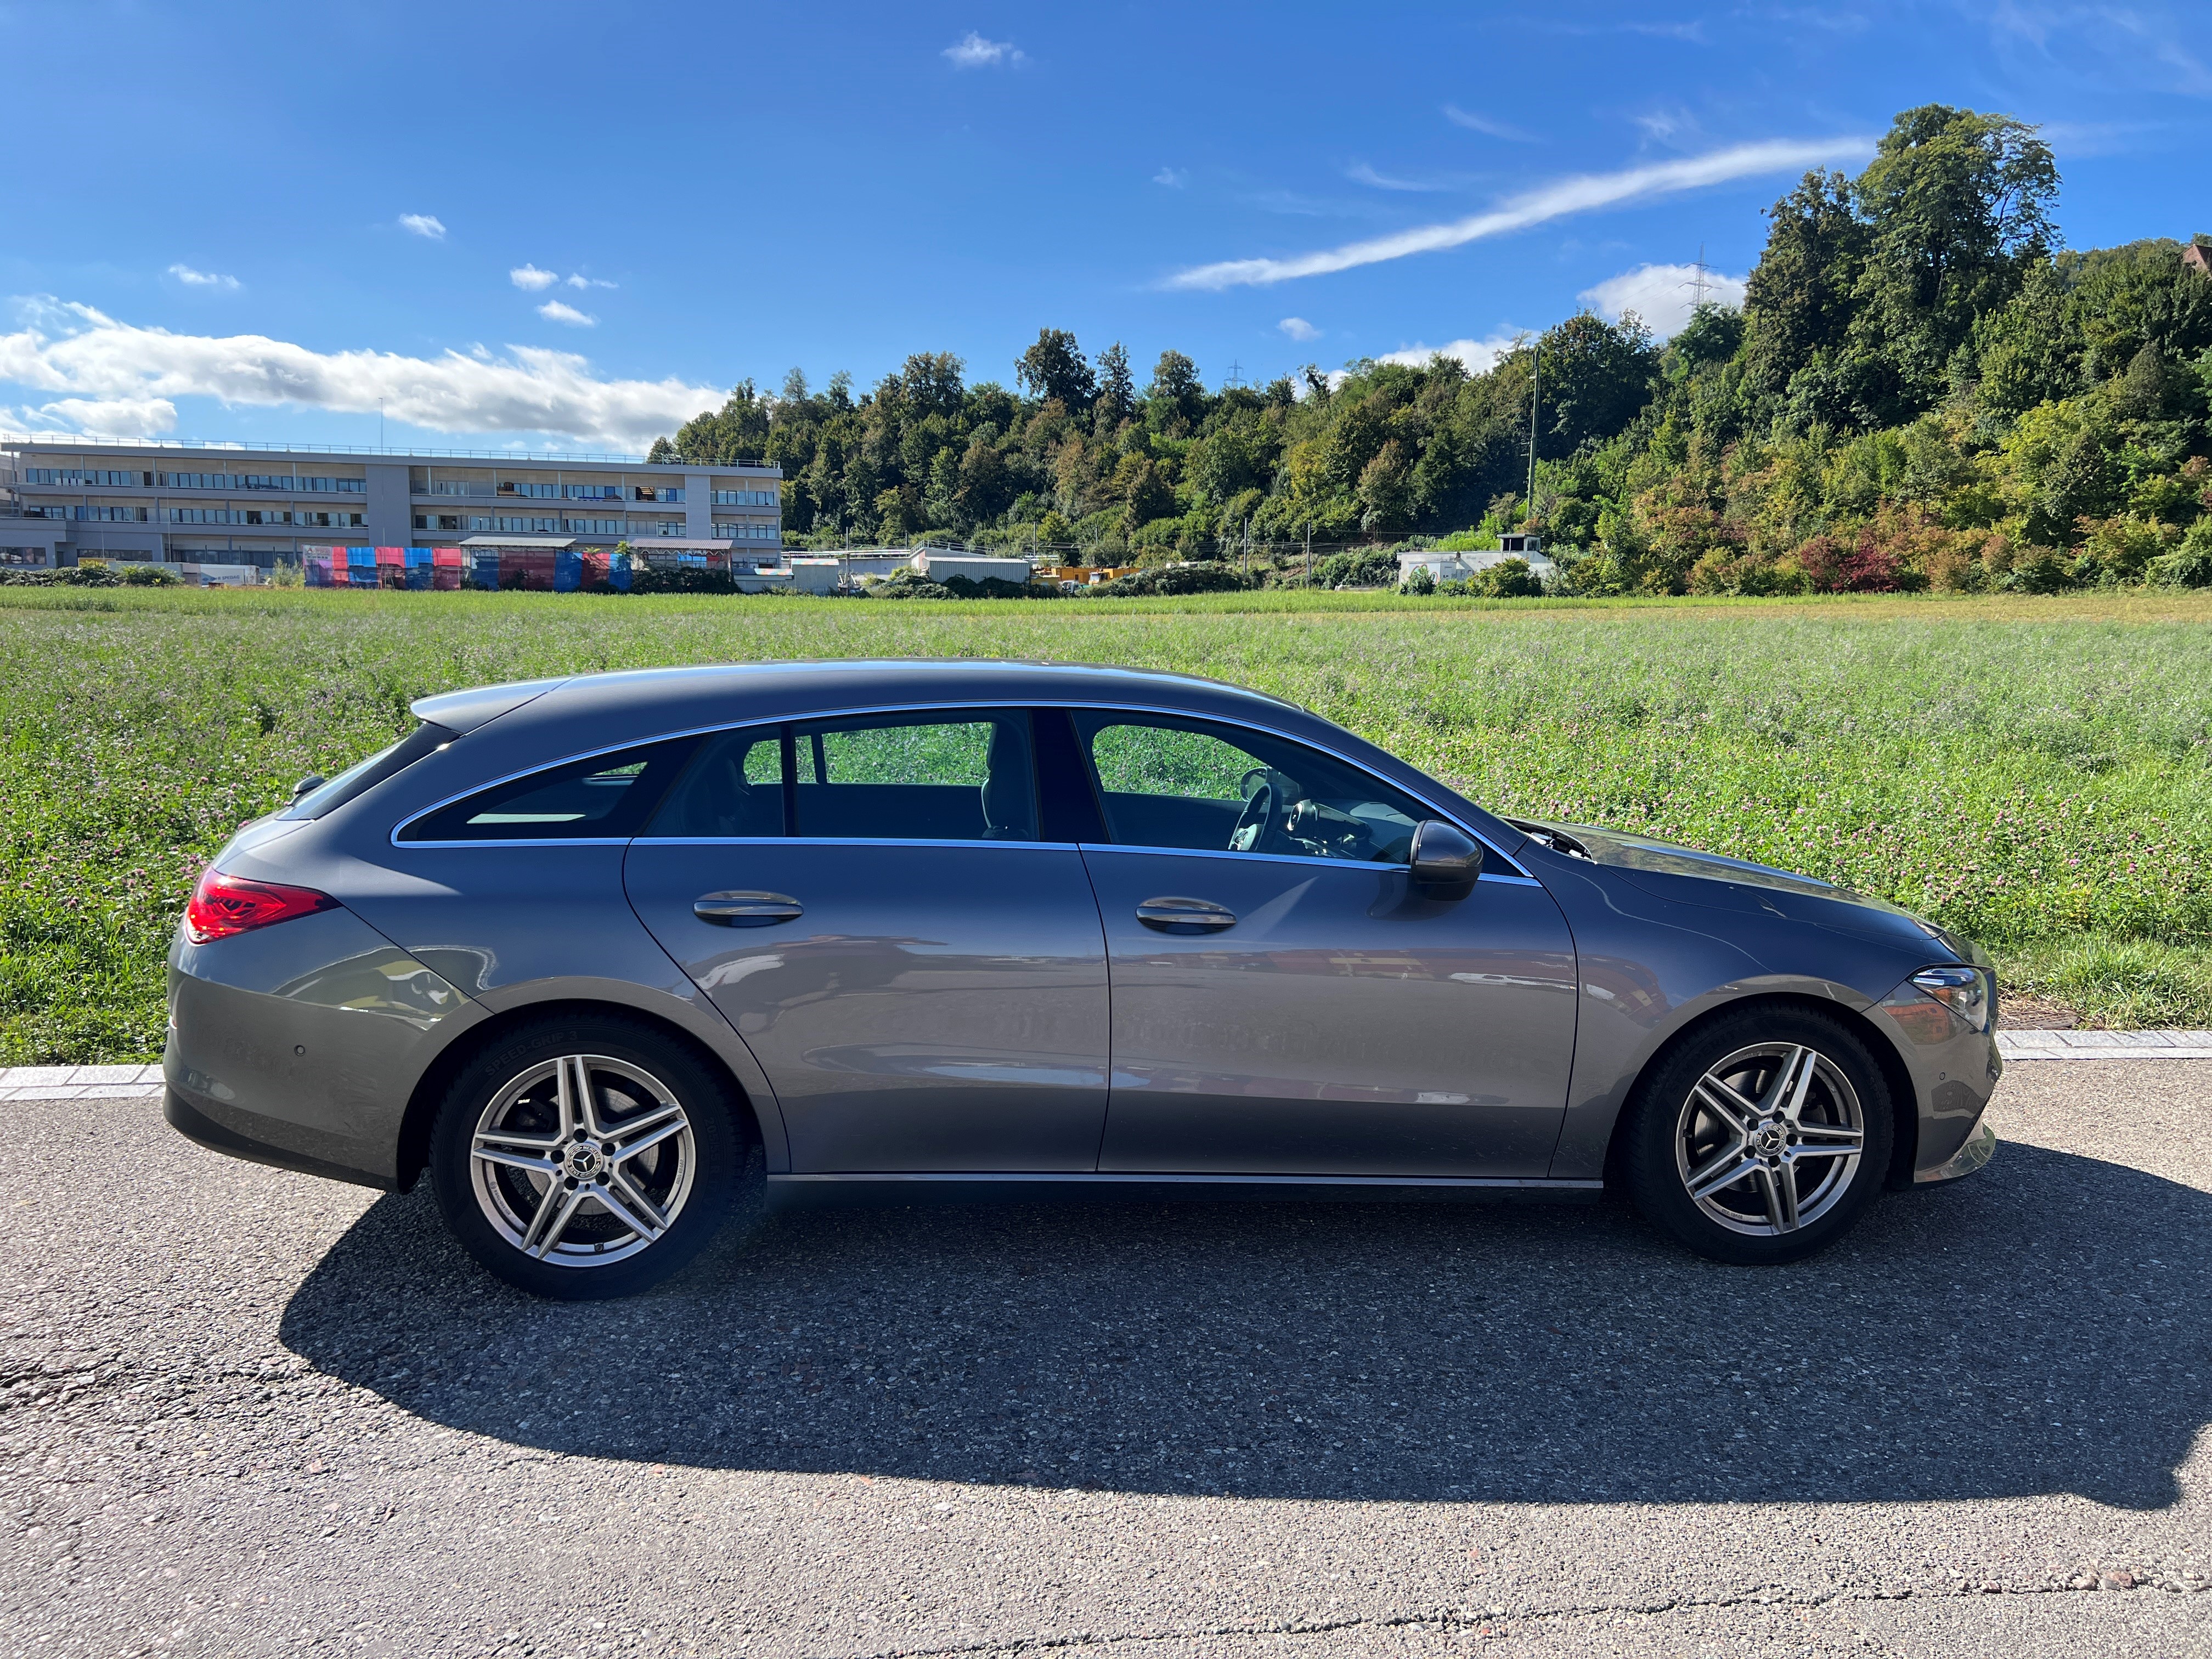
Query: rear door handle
{"x": 746, "y": 909}
{"x": 1185, "y": 915}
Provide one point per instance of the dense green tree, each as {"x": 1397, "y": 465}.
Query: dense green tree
{"x": 1055, "y": 369}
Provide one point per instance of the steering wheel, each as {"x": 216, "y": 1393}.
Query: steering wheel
{"x": 1255, "y": 823}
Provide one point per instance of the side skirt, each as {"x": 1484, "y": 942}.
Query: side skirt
{"x": 810, "y": 1191}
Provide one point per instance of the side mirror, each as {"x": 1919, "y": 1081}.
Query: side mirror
{"x": 310, "y": 782}
{"x": 1445, "y": 860}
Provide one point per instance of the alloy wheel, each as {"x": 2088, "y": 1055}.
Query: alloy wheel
{"x": 1768, "y": 1139}
{"x": 582, "y": 1160}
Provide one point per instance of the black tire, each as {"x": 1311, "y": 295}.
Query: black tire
{"x": 1795, "y": 1197}
{"x": 686, "y": 1174}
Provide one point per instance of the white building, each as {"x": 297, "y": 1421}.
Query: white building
{"x": 1458, "y": 567}
{"x": 183, "y": 504}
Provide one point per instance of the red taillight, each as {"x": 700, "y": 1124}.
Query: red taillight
{"x": 222, "y": 905}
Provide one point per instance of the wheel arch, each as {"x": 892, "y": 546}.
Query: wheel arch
{"x": 430, "y": 1089}
{"x": 1904, "y": 1099}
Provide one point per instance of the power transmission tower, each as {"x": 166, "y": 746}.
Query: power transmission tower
{"x": 1700, "y": 283}
{"x": 1236, "y": 375}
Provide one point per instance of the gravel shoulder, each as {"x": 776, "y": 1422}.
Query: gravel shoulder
{"x": 250, "y": 1413}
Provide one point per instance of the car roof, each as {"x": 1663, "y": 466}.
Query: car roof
{"x": 741, "y": 691}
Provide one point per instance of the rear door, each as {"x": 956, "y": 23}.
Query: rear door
{"x": 1285, "y": 1002}
{"x": 868, "y": 901}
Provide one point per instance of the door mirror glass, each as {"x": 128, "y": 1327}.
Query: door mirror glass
{"x": 1446, "y": 860}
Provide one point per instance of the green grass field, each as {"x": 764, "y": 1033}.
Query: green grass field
{"x": 2035, "y": 773}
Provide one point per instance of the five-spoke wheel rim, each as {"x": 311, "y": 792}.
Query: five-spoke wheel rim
{"x": 582, "y": 1161}
{"x": 1768, "y": 1139}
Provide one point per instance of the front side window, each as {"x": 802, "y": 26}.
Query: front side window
{"x": 952, "y": 777}
{"x": 1203, "y": 787}
{"x": 606, "y": 797}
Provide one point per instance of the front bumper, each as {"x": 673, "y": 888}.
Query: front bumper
{"x": 1980, "y": 1146}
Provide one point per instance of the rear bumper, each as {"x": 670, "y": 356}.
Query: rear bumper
{"x": 222, "y": 1129}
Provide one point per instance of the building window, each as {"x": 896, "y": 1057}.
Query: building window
{"x": 737, "y": 530}
{"x": 642, "y": 493}
{"x": 536, "y": 491}
{"x": 460, "y": 487}
{"x": 593, "y": 526}
{"x": 22, "y": 556}
{"x": 86, "y": 478}
{"x": 100, "y": 515}
{"x": 437, "y": 521}
{"x": 592, "y": 492}
{"x": 504, "y": 525}
{"x": 656, "y": 527}
{"x": 744, "y": 498}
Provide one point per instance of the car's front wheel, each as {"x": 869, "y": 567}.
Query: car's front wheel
{"x": 583, "y": 1159}
{"x": 1761, "y": 1138}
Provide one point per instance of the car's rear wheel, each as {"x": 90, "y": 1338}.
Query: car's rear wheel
{"x": 1762, "y": 1138}
{"x": 586, "y": 1158}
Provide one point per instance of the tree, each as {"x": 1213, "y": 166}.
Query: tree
{"x": 1054, "y": 367}
{"x": 1957, "y": 208}
{"x": 1117, "y": 390}
{"x": 795, "y": 386}
{"x": 1176, "y": 391}
{"x": 1798, "y": 303}
{"x": 1593, "y": 377}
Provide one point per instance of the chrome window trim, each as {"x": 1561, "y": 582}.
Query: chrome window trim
{"x": 541, "y": 841}
{"x": 835, "y": 841}
{"x": 1284, "y": 858}
{"x": 1519, "y": 870}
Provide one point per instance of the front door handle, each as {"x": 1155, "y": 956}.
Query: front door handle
{"x": 746, "y": 909}
{"x": 1185, "y": 915}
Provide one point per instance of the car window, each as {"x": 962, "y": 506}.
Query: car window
{"x": 733, "y": 787}
{"x": 1204, "y": 787}
{"x": 603, "y": 797}
{"x": 964, "y": 776}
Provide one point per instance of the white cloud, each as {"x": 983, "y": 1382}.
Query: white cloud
{"x": 974, "y": 51}
{"x": 554, "y": 312}
{"x": 1483, "y": 123}
{"x": 590, "y": 281}
{"x": 1479, "y": 355}
{"x": 1360, "y": 173}
{"x": 423, "y": 224}
{"x": 103, "y": 417}
{"x": 191, "y": 278}
{"x": 1298, "y": 329}
{"x": 1173, "y": 177}
{"x": 531, "y": 279}
{"x": 1551, "y": 201}
{"x": 106, "y": 370}
{"x": 1662, "y": 296}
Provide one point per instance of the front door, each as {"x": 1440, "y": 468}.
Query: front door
{"x": 867, "y": 902}
{"x": 1303, "y": 1011}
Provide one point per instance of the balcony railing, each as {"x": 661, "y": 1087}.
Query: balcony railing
{"x": 514, "y": 457}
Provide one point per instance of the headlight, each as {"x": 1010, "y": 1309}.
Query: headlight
{"x": 1964, "y": 991}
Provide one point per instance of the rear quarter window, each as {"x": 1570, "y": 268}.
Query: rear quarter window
{"x": 601, "y": 797}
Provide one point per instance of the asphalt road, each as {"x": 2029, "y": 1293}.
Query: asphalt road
{"x": 250, "y": 1413}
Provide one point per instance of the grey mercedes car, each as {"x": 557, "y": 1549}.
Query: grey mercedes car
{"x": 601, "y": 953}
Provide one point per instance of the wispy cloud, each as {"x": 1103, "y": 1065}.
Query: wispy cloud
{"x": 972, "y": 51}
{"x": 590, "y": 281}
{"x": 423, "y": 224}
{"x": 128, "y": 377}
{"x": 1173, "y": 177}
{"x": 531, "y": 279}
{"x": 554, "y": 312}
{"x": 191, "y": 278}
{"x": 1483, "y": 123}
{"x": 1361, "y": 173}
{"x": 1663, "y": 297}
{"x": 1298, "y": 329}
{"x": 1553, "y": 201}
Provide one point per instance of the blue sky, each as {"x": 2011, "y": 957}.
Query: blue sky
{"x": 567, "y": 226}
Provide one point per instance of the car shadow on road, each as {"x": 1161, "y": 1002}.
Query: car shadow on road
{"x": 2046, "y": 1327}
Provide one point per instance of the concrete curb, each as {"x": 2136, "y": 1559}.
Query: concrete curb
{"x": 2104, "y": 1045}
{"x": 80, "y": 1082}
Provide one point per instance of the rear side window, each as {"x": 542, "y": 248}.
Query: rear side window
{"x": 950, "y": 776}
{"x": 607, "y": 797}
{"x": 732, "y": 789}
